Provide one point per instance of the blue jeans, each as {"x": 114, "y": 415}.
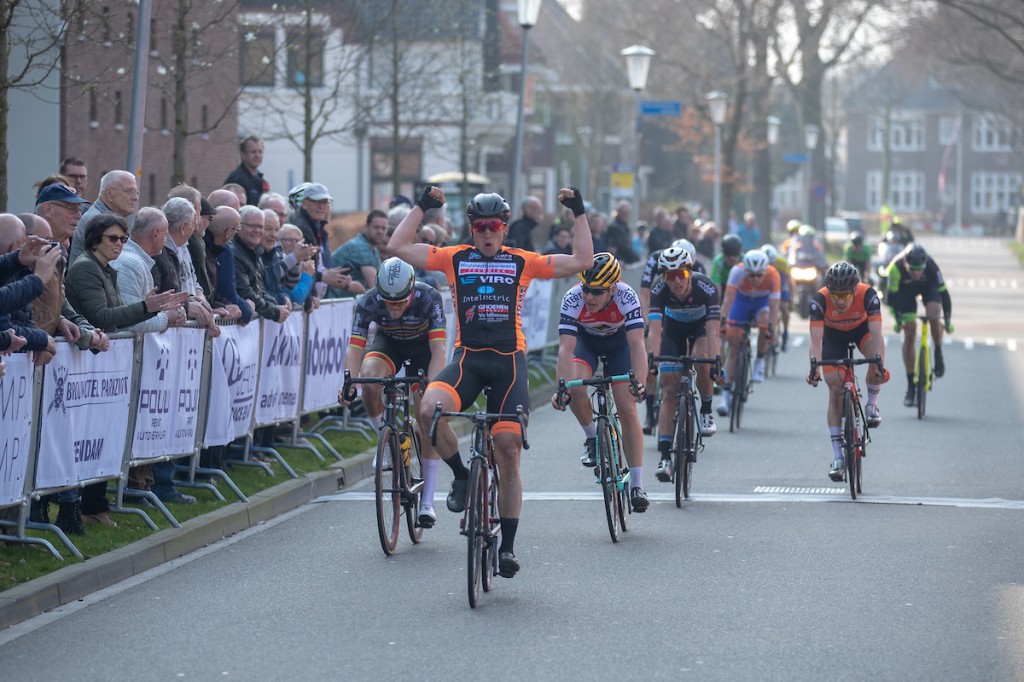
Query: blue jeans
{"x": 163, "y": 480}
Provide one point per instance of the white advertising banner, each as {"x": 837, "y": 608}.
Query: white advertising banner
{"x": 15, "y": 425}
{"x": 280, "y": 370}
{"x": 168, "y": 411}
{"x": 330, "y": 326}
{"x": 536, "y": 310}
{"x": 84, "y": 414}
{"x": 234, "y": 375}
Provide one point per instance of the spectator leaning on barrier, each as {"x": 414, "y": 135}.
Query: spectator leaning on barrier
{"x": 301, "y": 254}
{"x": 181, "y": 217}
{"x": 196, "y": 246}
{"x": 20, "y": 284}
{"x": 362, "y": 255}
{"x": 19, "y": 320}
{"x": 249, "y": 267}
{"x": 312, "y": 204}
{"x": 119, "y": 194}
{"x": 220, "y": 261}
{"x": 92, "y": 290}
{"x": 277, "y": 276}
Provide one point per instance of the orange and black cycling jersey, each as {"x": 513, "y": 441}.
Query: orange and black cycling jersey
{"x": 865, "y": 306}
{"x": 489, "y": 292}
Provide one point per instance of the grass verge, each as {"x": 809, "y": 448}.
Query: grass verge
{"x": 1018, "y": 250}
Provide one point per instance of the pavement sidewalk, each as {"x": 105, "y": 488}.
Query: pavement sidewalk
{"x": 75, "y": 581}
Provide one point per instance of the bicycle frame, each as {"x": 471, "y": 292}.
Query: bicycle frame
{"x": 924, "y": 365}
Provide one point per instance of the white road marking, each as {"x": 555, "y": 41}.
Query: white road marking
{"x": 771, "y": 494}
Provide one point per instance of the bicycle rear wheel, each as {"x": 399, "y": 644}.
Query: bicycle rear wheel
{"x": 414, "y": 481}
{"x": 609, "y": 487}
{"x": 923, "y": 372}
{"x": 622, "y": 481}
{"x": 387, "y": 489}
{"x": 475, "y": 529}
{"x": 850, "y": 443}
{"x": 683, "y": 441}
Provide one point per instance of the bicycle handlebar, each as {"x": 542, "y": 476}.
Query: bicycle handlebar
{"x": 564, "y": 386}
{"x": 479, "y": 420}
{"x": 848, "y": 362}
{"x": 387, "y": 382}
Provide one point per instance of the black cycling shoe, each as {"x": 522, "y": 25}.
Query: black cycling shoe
{"x": 508, "y": 565}
{"x": 589, "y": 456}
{"x": 940, "y": 366}
{"x": 457, "y": 496}
{"x": 910, "y": 397}
{"x": 638, "y": 500}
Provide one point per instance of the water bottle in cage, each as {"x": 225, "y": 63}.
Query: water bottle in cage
{"x": 404, "y": 444}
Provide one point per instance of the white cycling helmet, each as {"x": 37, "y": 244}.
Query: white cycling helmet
{"x": 687, "y": 246}
{"x": 755, "y": 262}
{"x": 771, "y": 252}
{"x": 395, "y": 279}
{"x": 675, "y": 258}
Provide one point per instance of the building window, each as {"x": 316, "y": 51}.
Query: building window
{"x": 152, "y": 189}
{"x": 130, "y": 32}
{"x": 906, "y": 191}
{"x": 991, "y": 135}
{"x": 163, "y": 113}
{"x": 410, "y": 167}
{"x": 118, "y": 109}
{"x": 906, "y": 133}
{"x": 105, "y": 25}
{"x": 93, "y": 109}
{"x": 257, "y": 59}
{"x": 305, "y": 58}
{"x": 991, "y": 192}
{"x": 153, "y": 33}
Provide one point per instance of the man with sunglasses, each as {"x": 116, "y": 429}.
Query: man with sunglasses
{"x": 846, "y": 311}
{"x": 488, "y": 283}
{"x": 601, "y": 317}
{"x": 752, "y": 294}
{"x": 911, "y": 274}
{"x": 410, "y": 326}
{"x": 684, "y": 319}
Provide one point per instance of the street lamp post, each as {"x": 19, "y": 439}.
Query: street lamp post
{"x": 811, "y": 133}
{"x": 638, "y": 62}
{"x": 718, "y": 104}
{"x": 773, "y": 123}
{"x": 527, "y": 11}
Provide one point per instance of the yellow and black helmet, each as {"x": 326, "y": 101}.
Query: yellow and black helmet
{"x": 603, "y": 273}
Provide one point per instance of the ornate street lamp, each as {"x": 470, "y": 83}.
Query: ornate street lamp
{"x": 811, "y": 133}
{"x": 718, "y": 105}
{"x": 638, "y": 62}
{"x": 527, "y": 11}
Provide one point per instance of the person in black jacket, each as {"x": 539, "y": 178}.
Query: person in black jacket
{"x": 520, "y": 233}
{"x": 247, "y": 174}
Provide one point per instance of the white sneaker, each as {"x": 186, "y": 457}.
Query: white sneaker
{"x": 427, "y": 517}
{"x": 707, "y": 424}
{"x": 758, "y": 374}
{"x": 723, "y": 407}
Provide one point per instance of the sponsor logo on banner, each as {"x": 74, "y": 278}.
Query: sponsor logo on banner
{"x": 281, "y": 371}
{"x": 15, "y": 426}
{"x": 330, "y": 327}
{"x": 242, "y": 377}
{"x": 326, "y": 354}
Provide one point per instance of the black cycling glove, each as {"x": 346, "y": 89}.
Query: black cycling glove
{"x": 427, "y": 202}
{"x": 575, "y": 202}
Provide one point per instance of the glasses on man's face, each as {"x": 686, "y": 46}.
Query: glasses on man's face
{"x": 75, "y": 176}
{"x": 840, "y": 295}
{"x": 253, "y": 226}
{"x": 130, "y": 191}
{"x": 593, "y": 291}
{"x": 755, "y": 275}
{"x": 677, "y": 275}
{"x": 488, "y": 226}
{"x": 116, "y": 238}
{"x": 289, "y": 240}
{"x": 916, "y": 268}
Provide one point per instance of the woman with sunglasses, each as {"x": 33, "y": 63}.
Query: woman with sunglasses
{"x": 911, "y": 274}
{"x": 488, "y": 282}
{"x": 601, "y": 316}
{"x": 683, "y": 320}
{"x": 752, "y": 295}
{"x": 846, "y": 311}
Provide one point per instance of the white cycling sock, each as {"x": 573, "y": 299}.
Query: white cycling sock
{"x": 376, "y": 421}
{"x": 873, "y": 391}
{"x": 837, "y": 442}
{"x": 430, "y": 467}
{"x": 636, "y": 477}
{"x": 590, "y": 430}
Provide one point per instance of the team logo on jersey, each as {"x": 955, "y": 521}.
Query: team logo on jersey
{"x": 470, "y": 313}
{"x": 485, "y": 289}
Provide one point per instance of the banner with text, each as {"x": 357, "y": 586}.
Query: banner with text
{"x": 84, "y": 414}
{"x": 536, "y": 310}
{"x": 280, "y": 370}
{"x": 16, "y": 402}
{"x": 234, "y": 373}
{"x": 168, "y": 409}
{"x": 330, "y": 326}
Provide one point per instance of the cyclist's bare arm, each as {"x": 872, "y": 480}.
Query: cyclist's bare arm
{"x": 582, "y": 256}
{"x": 402, "y": 242}
{"x": 438, "y": 350}
{"x": 654, "y": 337}
{"x": 814, "y": 350}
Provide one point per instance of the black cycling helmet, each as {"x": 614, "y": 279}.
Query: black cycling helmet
{"x": 488, "y": 205}
{"x": 603, "y": 273}
{"x": 732, "y": 245}
{"x": 856, "y": 236}
{"x": 916, "y": 256}
{"x": 841, "y": 277}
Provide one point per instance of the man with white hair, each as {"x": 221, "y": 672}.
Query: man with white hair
{"x": 134, "y": 269}
{"x": 181, "y": 220}
{"x": 119, "y": 194}
{"x": 249, "y": 267}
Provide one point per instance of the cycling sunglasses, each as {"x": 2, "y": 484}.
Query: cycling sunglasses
{"x": 840, "y": 295}
{"x": 915, "y": 268}
{"x": 593, "y": 291}
{"x": 492, "y": 225}
{"x": 675, "y": 275}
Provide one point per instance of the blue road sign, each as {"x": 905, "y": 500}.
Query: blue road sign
{"x": 661, "y": 107}
{"x": 795, "y": 157}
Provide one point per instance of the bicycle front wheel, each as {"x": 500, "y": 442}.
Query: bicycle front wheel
{"x": 388, "y": 489}
{"x": 683, "y": 460}
{"x": 475, "y": 529}
{"x": 850, "y": 443}
{"x": 490, "y": 545}
{"x": 923, "y": 374}
{"x": 739, "y": 391}
{"x": 609, "y": 486}
{"x": 414, "y": 488}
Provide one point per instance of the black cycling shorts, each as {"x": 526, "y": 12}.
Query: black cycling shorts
{"x": 395, "y": 353}
{"x": 505, "y": 372}
{"x": 834, "y": 343}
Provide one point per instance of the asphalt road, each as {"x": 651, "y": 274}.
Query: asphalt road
{"x": 769, "y": 572}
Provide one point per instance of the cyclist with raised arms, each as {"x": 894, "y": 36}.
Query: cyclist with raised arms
{"x": 488, "y": 283}
{"x": 684, "y": 319}
{"x": 751, "y": 295}
{"x": 601, "y": 316}
{"x": 406, "y": 313}
{"x": 911, "y": 274}
{"x": 846, "y": 311}
{"x": 786, "y": 288}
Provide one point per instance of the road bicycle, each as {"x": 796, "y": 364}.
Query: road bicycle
{"x": 853, "y": 425}
{"x": 481, "y": 522}
{"x": 397, "y": 468}
{"x": 611, "y": 470}
{"x": 687, "y": 441}
{"x": 924, "y": 366}
{"x": 774, "y": 349}
{"x": 742, "y": 385}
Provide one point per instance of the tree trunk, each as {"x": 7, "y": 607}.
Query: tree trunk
{"x": 180, "y": 43}
{"x": 5, "y": 56}
{"x": 307, "y": 101}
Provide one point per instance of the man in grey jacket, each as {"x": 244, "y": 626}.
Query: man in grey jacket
{"x": 119, "y": 194}
{"x": 134, "y": 269}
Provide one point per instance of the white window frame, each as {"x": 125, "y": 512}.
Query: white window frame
{"x": 906, "y": 191}
{"x": 991, "y": 134}
{"x": 906, "y": 132}
{"x": 993, "y": 191}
